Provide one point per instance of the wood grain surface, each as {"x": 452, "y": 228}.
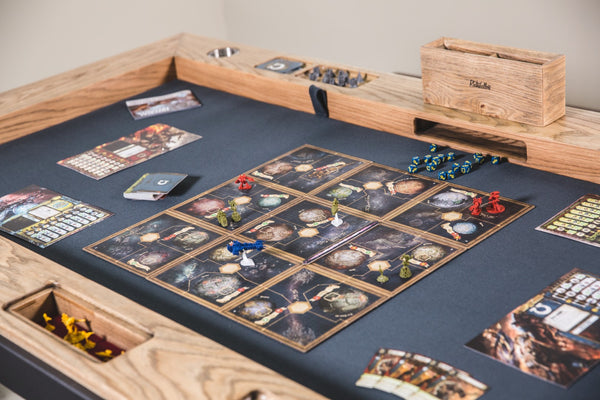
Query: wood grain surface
{"x": 174, "y": 363}
{"x": 502, "y": 82}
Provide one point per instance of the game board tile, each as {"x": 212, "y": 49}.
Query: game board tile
{"x": 378, "y": 190}
{"x": 306, "y": 168}
{"x": 383, "y": 246}
{"x": 251, "y": 204}
{"x": 305, "y": 229}
{"x": 446, "y": 214}
{"x": 215, "y": 277}
{"x": 319, "y": 303}
{"x": 153, "y": 243}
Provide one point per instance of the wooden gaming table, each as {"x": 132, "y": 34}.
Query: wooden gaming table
{"x": 61, "y": 116}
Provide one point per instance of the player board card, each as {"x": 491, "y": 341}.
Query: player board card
{"x": 377, "y": 189}
{"x": 127, "y": 151}
{"x": 281, "y": 65}
{"x": 153, "y": 243}
{"x": 381, "y": 364}
{"x": 580, "y": 221}
{"x": 555, "y": 335}
{"x": 43, "y": 217}
{"x": 305, "y": 308}
{"x": 306, "y": 168}
{"x": 165, "y": 104}
{"x": 250, "y": 204}
{"x": 215, "y": 277}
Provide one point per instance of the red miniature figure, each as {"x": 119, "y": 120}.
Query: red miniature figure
{"x": 243, "y": 181}
{"x": 476, "y": 207}
{"x": 494, "y": 206}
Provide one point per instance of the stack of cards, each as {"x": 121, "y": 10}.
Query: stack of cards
{"x": 414, "y": 376}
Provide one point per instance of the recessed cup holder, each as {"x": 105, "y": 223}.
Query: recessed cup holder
{"x": 223, "y": 52}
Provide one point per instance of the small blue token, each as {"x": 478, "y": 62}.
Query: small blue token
{"x": 427, "y": 158}
{"x": 433, "y": 147}
{"x": 412, "y": 168}
{"x": 451, "y": 156}
{"x": 442, "y": 175}
{"x": 495, "y": 160}
{"x": 455, "y": 167}
{"x": 451, "y": 174}
{"x": 416, "y": 160}
{"x": 442, "y": 156}
{"x": 431, "y": 167}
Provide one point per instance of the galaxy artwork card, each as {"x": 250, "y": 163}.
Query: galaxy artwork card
{"x": 250, "y": 204}
{"x": 379, "y": 252}
{"x": 448, "y": 213}
{"x": 305, "y": 308}
{"x": 281, "y": 65}
{"x": 554, "y": 336}
{"x": 152, "y": 244}
{"x": 305, "y": 229}
{"x": 43, "y": 217}
{"x": 165, "y": 104}
{"x": 216, "y": 276}
{"x": 580, "y": 221}
{"x": 377, "y": 189}
{"x": 127, "y": 151}
{"x": 306, "y": 168}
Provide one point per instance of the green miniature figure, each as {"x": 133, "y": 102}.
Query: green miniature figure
{"x": 222, "y": 218}
{"x": 405, "y": 271}
{"x": 337, "y": 221}
{"x": 382, "y": 278}
{"x": 235, "y": 215}
{"x": 334, "y": 206}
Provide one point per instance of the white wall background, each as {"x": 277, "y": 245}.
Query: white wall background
{"x": 41, "y": 38}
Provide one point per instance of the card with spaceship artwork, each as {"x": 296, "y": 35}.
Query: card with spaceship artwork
{"x": 306, "y": 168}
{"x": 153, "y": 243}
{"x": 216, "y": 276}
{"x": 305, "y": 308}
{"x": 555, "y": 335}
{"x": 448, "y": 212}
{"x": 414, "y": 376}
{"x": 250, "y": 204}
{"x": 377, "y": 189}
{"x": 321, "y": 239}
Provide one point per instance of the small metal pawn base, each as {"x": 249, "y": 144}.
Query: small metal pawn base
{"x": 337, "y": 221}
{"x": 246, "y": 262}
